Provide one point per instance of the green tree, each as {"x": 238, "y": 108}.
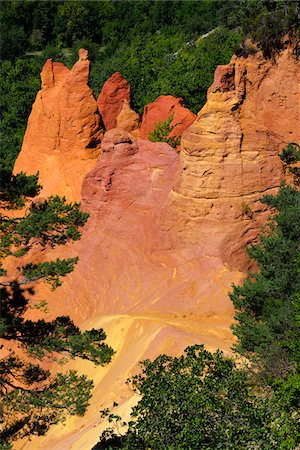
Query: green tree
{"x": 265, "y": 304}
{"x": 200, "y": 400}
{"x": 161, "y": 133}
{"x": 19, "y": 83}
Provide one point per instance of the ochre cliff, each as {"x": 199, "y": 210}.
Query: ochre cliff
{"x": 166, "y": 232}
{"x": 64, "y": 130}
{"x": 230, "y": 154}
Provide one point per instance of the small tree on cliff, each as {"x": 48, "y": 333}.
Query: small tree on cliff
{"x": 161, "y": 133}
{"x": 31, "y": 397}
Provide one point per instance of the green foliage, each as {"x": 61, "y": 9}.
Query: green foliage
{"x": 290, "y": 157}
{"x": 159, "y": 64}
{"x": 161, "y": 133}
{"x": 15, "y": 187}
{"x": 154, "y": 44}
{"x": 52, "y": 221}
{"x": 49, "y": 271}
{"x": 28, "y": 410}
{"x": 31, "y": 398}
{"x": 49, "y": 222}
{"x": 19, "y": 83}
{"x": 268, "y": 304}
{"x": 265, "y": 302}
{"x": 42, "y": 338}
{"x": 271, "y": 22}
{"x": 246, "y": 210}
{"x": 198, "y": 400}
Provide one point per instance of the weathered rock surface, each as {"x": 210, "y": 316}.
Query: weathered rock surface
{"x": 161, "y": 110}
{"x": 229, "y": 155}
{"x": 64, "y": 130}
{"x": 111, "y": 98}
{"x": 129, "y": 120}
{"x": 148, "y": 298}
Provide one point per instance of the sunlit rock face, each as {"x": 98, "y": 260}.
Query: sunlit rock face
{"x": 129, "y": 120}
{"x": 229, "y": 155}
{"x": 114, "y": 92}
{"x": 64, "y": 131}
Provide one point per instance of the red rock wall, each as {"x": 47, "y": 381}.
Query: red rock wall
{"x": 110, "y": 101}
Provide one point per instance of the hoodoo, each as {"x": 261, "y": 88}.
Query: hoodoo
{"x": 64, "y": 131}
{"x": 229, "y": 155}
{"x": 114, "y": 92}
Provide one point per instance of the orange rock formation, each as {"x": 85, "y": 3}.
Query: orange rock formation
{"x": 110, "y": 101}
{"x": 164, "y": 239}
{"x": 129, "y": 120}
{"x": 64, "y": 131}
{"x": 161, "y": 110}
{"x": 229, "y": 155}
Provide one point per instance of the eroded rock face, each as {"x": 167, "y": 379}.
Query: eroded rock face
{"x": 110, "y": 101}
{"x": 161, "y": 110}
{"x": 64, "y": 132}
{"x": 230, "y": 153}
{"x": 149, "y": 298}
{"x": 129, "y": 120}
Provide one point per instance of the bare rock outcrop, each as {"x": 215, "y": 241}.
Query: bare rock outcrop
{"x": 229, "y": 155}
{"x": 64, "y": 131}
{"x": 161, "y": 110}
{"x": 129, "y": 120}
{"x": 166, "y": 234}
{"x": 111, "y": 98}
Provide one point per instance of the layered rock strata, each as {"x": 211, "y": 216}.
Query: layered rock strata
{"x": 165, "y": 234}
{"x": 64, "y": 131}
{"x": 229, "y": 155}
{"x": 149, "y": 299}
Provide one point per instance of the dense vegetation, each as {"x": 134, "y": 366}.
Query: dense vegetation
{"x": 155, "y": 44}
{"x": 202, "y": 400}
{"x": 32, "y": 398}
